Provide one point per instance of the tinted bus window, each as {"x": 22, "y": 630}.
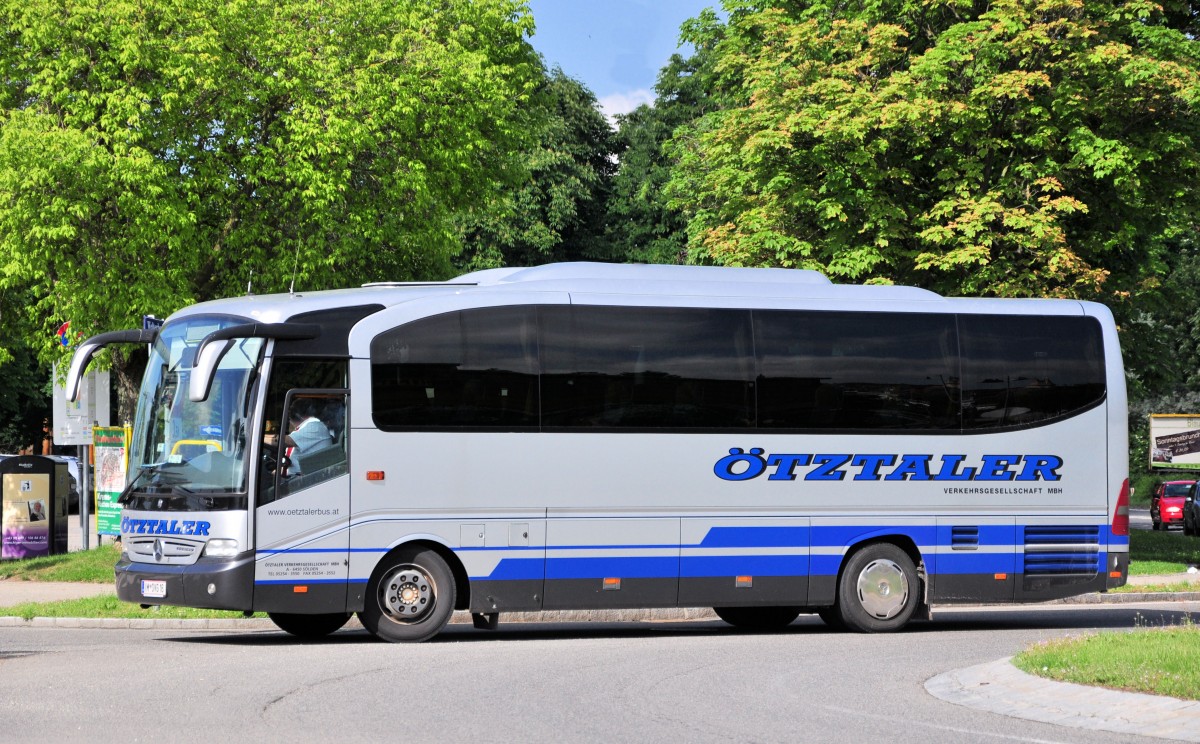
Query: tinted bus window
{"x": 1019, "y": 370}
{"x": 647, "y": 368}
{"x": 471, "y": 369}
{"x": 834, "y": 370}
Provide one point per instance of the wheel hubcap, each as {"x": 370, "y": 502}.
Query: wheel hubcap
{"x": 883, "y": 589}
{"x": 407, "y": 594}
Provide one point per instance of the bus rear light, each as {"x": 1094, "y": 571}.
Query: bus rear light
{"x": 1120, "y": 522}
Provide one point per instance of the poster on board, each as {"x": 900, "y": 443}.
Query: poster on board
{"x": 110, "y": 444}
{"x": 26, "y": 526}
{"x": 1174, "y": 441}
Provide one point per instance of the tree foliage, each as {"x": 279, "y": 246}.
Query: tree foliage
{"x": 1019, "y": 147}
{"x": 154, "y": 154}
{"x": 557, "y": 213}
{"x": 24, "y": 395}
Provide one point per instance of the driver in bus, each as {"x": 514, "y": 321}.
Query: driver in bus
{"x": 308, "y": 434}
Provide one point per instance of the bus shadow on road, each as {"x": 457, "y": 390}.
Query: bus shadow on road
{"x": 957, "y": 620}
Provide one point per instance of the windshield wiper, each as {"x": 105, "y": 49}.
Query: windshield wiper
{"x": 160, "y": 478}
{"x": 123, "y": 499}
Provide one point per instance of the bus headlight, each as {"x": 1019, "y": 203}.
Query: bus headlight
{"x": 220, "y": 547}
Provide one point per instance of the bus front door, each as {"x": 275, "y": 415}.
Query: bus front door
{"x": 303, "y": 512}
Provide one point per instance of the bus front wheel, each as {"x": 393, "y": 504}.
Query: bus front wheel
{"x": 410, "y": 598}
{"x": 308, "y": 626}
{"x": 879, "y": 590}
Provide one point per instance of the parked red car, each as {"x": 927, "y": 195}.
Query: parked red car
{"x": 1166, "y": 504}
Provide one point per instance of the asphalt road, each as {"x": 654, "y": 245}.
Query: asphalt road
{"x": 660, "y": 682}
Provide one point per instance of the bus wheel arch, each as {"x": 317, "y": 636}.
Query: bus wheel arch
{"x": 880, "y": 586}
{"x": 412, "y": 593}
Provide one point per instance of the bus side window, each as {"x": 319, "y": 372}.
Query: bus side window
{"x": 474, "y": 369}
{"x": 856, "y": 370}
{"x": 1020, "y": 370}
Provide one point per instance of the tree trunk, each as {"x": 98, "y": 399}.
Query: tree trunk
{"x": 128, "y": 367}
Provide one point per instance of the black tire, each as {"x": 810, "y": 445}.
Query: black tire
{"x": 758, "y": 618}
{"x": 410, "y": 598}
{"x": 1155, "y": 524}
{"x": 1188, "y": 528}
{"x": 879, "y": 590}
{"x": 309, "y": 626}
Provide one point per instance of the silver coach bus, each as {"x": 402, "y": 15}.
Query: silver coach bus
{"x": 589, "y": 436}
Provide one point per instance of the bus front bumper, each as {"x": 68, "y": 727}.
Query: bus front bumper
{"x": 216, "y": 584}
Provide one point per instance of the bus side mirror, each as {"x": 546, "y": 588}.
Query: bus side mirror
{"x": 83, "y": 355}
{"x": 218, "y": 343}
{"x": 207, "y": 358}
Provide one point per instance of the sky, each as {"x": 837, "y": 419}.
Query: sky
{"x": 615, "y": 47}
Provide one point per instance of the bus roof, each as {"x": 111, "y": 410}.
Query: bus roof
{"x": 593, "y": 283}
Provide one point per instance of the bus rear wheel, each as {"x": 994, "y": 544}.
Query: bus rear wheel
{"x": 758, "y": 618}
{"x": 308, "y": 626}
{"x": 879, "y": 590}
{"x": 410, "y": 598}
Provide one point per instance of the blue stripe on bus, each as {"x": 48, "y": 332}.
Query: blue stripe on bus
{"x": 972, "y": 563}
{"x": 626, "y": 568}
{"x": 966, "y": 561}
{"x": 299, "y": 580}
{"x": 743, "y": 565}
{"x": 514, "y": 569}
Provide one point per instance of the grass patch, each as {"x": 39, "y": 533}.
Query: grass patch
{"x": 110, "y": 606}
{"x": 89, "y": 566}
{"x": 1172, "y": 586}
{"x": 1153, "y": 552}
{"x": 1158, "y": 661}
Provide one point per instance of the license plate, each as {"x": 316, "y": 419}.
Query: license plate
{"x": 157, "y": 589}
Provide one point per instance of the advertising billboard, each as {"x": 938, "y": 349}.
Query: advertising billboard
{"x": 33, "y": 515}
{"x": 112, "y": 462}
{"x": 1175, "y": 441}
{"x": 73, "y": 422}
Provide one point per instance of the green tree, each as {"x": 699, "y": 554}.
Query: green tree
{"x": 642, "y": 225}
{"x": 24, "y": 395}
{"x": 1161, "y": 326}
{"x": 153, "y": 154}
{"x": 558, "y": 213}
{"x": 1019, "y": 147}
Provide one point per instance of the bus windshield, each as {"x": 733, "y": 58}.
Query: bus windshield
{"x": 181, "y": 447}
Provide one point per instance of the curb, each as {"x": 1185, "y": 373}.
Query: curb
{"x": 1130, "y": 597}
{"x": 999, "y": 687}
{"x": 685, "y": 614}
